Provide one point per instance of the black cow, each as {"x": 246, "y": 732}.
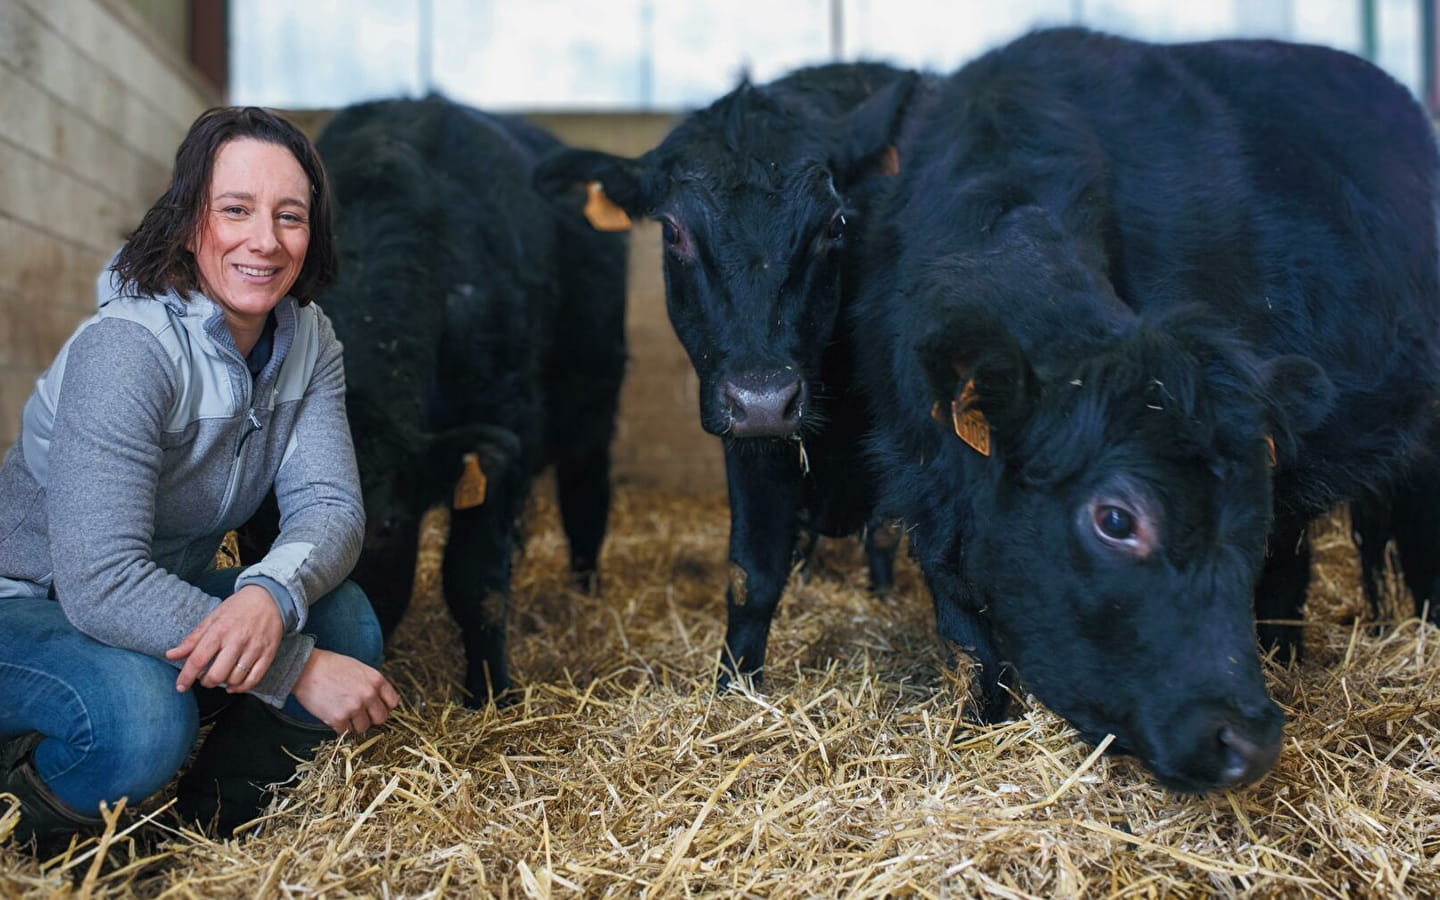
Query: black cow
{"x": 757, "y": 196}
{"x": 1184, "y": 299}
{"x": 484, "y": 339}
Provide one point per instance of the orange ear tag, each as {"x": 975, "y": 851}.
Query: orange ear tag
{"x": 470, "y": 489}
{"x": 970, "y": 424}
{"x": 602, "y": 212}
{"x": 1270, "y": 445}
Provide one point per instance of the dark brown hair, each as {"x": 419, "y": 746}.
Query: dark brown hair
{"x": 155, "y": 260}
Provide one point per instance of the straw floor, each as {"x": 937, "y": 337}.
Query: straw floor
{"x": 620, "y": 773}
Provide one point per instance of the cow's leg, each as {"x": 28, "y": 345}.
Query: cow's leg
{"x": 1280, "y": 595}
{"x": 882, "y": 541}
{"x": 1417, "y": 538}
{"x": 386, "y": 568}
{"x": 765, "y": 493}
{"x": 476, "y": 576}
{"x": 1371, "y": 524}
{"x": 957, "y": 621}
{"x": 583, "y": 485}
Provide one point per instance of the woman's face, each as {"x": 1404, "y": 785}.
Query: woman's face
{"x": 253, "y": 234}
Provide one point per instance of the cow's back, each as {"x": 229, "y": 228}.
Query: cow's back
{"x": 1289, "y": 189}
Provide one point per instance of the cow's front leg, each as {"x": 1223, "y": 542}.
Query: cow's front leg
{"x": 1280, "y": 595}
{"x": 882, "y": 542}
{"x": 765, "y": 490}
{"x": 959, "y": 622}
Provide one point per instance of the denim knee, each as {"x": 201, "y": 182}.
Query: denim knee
{"x": 343, "y": 621}
{"x": 123, "y": 734}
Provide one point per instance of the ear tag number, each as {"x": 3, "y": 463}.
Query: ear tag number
{"x": 470, "y": 489}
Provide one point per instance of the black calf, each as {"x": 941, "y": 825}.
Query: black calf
{"x": 484, "y": 339}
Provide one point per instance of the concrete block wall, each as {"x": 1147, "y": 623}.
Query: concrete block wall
{"x": 92, "y": 107}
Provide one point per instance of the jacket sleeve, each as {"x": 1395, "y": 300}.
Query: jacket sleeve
{"x": 322, "y": 517}
{"x": 104, "y": 470}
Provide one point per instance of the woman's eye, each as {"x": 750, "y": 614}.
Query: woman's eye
{"x": 1114, "y": 523}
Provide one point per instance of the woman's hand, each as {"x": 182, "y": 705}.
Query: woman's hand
{"x": 234, "y": 645}
{"x": 344, "y": 693}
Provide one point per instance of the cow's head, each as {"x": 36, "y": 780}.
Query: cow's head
{"x": 1115, "y": 532}
{"x": 757, "y": 201}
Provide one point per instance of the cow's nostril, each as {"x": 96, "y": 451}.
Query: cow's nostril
{"x": 734, "y": 403}
{"x": 1243, "y": 760}
{"x": 794, "y": 396}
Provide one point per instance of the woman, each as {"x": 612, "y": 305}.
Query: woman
{"x": 205, "y": 379}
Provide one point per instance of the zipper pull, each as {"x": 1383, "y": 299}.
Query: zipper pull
{"x": 254, "y": 427}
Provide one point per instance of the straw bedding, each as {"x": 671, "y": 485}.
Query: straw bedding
{"x": 619, "y": 772}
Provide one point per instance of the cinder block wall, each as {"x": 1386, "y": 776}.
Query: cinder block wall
{"x": 92, "y": 107}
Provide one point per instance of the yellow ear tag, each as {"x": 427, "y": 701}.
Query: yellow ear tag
{"x": 970, "y": 423}
{"x": 602, "y": 212}
{"x": 470, "y": 489}
{"x": 1270, "y": 445}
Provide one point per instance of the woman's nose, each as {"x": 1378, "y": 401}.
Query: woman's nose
{"x": 261, "y": 236}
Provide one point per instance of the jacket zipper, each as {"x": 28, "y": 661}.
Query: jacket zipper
{"x": 252, "y": 425}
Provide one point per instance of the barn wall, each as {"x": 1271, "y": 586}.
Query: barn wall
{"x": 92, "y": 107}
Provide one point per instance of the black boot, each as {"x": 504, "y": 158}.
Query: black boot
{"x": 251, "y": 747}
{"x": 44, "y": 819}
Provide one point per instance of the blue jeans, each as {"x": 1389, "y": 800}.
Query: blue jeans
{"x": 113, "y": 722}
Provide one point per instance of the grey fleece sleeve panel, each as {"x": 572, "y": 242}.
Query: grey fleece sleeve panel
{"x": 322, "y": 516}
{"x": 104, "y": 469}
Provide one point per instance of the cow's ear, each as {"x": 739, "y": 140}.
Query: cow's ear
{"x": 607, "y": 189}
{"x": 978, "y": 375}
{"x": 872, "y": 129}
{"x": 1300, "y": 395}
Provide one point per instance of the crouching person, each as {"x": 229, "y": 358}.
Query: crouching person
{"x": 206, "y": 378}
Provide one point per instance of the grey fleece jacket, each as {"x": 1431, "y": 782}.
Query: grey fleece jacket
{"x": 146, "y": 440}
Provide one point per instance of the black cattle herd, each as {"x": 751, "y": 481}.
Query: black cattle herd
{"x": 1102, "y": 325}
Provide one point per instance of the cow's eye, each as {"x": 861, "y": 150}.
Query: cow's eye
{"x": 1121, "y": 524}
{"x": 673, "y": 235}
{"x": 1114, "y": 523}
{"x": 837, "y": 226}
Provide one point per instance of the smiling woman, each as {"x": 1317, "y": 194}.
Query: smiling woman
{"x": 207, "y": 379}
